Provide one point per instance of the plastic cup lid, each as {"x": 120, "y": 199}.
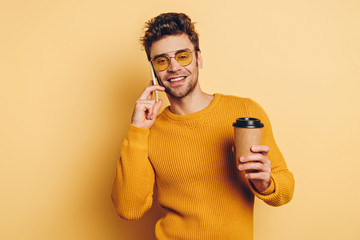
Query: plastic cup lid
{"x": 248, "y": 122}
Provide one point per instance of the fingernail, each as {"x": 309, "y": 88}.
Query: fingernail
{"x": 242, "y": 158}
{"x": 253, "y": 148}
{"x": 241, "y": 167}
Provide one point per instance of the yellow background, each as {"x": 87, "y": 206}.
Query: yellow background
{"x": 72, "y": 70}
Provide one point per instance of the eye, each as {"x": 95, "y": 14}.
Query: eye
{"x": 160, "y": 60}
{"x": 183, "y": 55}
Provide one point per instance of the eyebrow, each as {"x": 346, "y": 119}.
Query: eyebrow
{"x": 166, "y": 54}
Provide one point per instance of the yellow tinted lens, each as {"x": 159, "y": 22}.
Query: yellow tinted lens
{"x": 161, "y": 63}
{"x": 184, "y": 58}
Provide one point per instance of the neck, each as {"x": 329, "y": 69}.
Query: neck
{"x": 193, "y": 102}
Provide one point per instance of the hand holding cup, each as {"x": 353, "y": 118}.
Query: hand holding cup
{"x": 251, "y": 157}
{"x": 257, "y": 167}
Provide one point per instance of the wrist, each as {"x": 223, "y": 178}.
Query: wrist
{"x": 143, "y": 125}
{"x": 261, "y": 186}
{"x": 265, "y": 189}
{"x": 137, "y": 125}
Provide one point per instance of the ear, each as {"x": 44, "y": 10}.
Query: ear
{"x": 199, "y": 59}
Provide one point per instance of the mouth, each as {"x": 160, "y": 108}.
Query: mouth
{"x": 176, "y": 79}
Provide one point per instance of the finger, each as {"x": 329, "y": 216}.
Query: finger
{"x": 149, "y": 112}
{"x": 252, "y": 158}
{"x": 254, "y": 167}
{"x": 151, "y": 83}
{"x": 257, "y": 176}
{"x": 144, "y": 106}
{"x": 156, "y": 108}
{"x": 148, "y": 90}
{"x": 260, "y": 149}
{"x": 149, "y": 96}
{"x": 251, "y": 166}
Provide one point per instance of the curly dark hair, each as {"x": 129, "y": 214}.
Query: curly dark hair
{"x": 169, "y": 24}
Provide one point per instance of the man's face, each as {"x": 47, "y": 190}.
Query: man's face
{"x": 178, "y": 80}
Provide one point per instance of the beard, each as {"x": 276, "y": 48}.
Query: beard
{"x": 178, "y": 94}
{"x": 186, "y": 90}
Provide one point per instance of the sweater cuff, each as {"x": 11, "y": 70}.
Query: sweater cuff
{"x": 270, "y": 189}
{"x": 261, "y": 195}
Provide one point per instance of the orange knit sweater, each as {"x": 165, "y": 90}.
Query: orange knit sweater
{"x": 189, "y": 157}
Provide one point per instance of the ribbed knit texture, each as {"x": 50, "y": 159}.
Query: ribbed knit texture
{"x": 191, "y": 158}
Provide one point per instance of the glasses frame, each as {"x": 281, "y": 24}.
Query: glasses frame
{"x": 169, "y": 58}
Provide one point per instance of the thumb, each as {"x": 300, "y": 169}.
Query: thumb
{"x": 156, "y": 108}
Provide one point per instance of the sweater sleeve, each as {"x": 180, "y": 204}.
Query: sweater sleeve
{"x": 132, "y": 191}
{"x": 282, "y": 181}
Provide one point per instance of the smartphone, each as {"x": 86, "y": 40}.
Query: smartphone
{"x": 154, "y": 82}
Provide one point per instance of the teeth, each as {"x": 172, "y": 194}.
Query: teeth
{"x": 176, "y": 79}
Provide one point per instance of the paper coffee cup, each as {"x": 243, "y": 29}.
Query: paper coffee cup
{"x": 247, "y": 132}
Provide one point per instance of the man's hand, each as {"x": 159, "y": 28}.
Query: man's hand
{"x": 257, "y": 167}
{"x": 146, "y": 109}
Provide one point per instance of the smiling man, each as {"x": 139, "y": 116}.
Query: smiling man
{"x": 187, "y": 149}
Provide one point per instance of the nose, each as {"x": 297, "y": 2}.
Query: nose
{"x": 173, "y": 65}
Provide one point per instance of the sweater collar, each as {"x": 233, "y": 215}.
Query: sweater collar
{"x": 194, "y": 115}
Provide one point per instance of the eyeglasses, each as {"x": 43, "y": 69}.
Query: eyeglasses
{"x": 162, "y": 62}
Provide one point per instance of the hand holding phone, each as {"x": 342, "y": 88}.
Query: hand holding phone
{"x": 146, "y": 109}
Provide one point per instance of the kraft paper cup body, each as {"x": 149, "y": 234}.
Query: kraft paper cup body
{"x": 244, "y": 139}
{"x": 247, "y": 132}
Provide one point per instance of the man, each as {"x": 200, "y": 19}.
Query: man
{"x": 187, "y": 149}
